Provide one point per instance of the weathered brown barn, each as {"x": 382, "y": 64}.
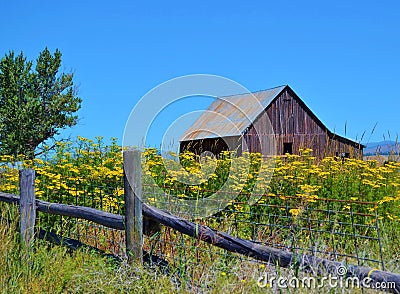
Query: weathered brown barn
{"x": 281, "y": 124}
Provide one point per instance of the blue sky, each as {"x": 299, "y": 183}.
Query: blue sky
{"x": 341, "y": 57}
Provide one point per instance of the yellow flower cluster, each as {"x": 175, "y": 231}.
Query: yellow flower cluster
{"x": 85, "y": 173}
{"x": 90, "y": 173}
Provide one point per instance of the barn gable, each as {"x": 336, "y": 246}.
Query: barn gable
{"x": 283, "y": 122}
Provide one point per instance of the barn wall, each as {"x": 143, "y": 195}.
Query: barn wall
{"x": 292, "y": 124}
{"x": 338, "y": 147}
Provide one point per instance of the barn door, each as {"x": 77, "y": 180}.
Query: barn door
{"x": 289, "y": 126}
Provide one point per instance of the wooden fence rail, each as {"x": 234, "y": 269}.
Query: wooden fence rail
{"x": 110, "y": 220}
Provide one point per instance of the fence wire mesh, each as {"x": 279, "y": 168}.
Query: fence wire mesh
{"x": 87, "y": 193}
{"x": 339, "y": 230}
{"x": 333, "y": 229}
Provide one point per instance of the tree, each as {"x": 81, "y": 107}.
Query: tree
{"x": 35, "y": 104}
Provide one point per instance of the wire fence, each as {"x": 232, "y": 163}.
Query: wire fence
{"x": 87, "y": 193}
{"x": 346, "y": 231}
{"x": 333, "y": 229}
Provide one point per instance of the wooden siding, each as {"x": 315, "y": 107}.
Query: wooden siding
{"x": 292, "y": 123}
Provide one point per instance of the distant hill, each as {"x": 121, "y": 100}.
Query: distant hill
{"x": 382, "y": 148}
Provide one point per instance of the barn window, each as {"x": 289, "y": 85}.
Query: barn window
{"x": 287, "y": 148}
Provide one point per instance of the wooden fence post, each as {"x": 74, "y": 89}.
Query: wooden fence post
{"x": 133, "y": 206}
{"x": 27, "y": 205}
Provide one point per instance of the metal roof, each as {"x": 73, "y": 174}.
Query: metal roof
{"x": 231, "y": 115}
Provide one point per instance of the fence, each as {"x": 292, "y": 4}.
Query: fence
{"x": 131, "y": 223}
{"x": 269, "y": 231}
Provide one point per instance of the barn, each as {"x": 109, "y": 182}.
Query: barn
{"x": 280, "y": 124}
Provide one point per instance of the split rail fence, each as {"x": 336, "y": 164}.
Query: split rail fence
{"x": 141, "y": 218}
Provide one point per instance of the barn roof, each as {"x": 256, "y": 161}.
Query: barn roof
{"x": 230, "y": 115}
